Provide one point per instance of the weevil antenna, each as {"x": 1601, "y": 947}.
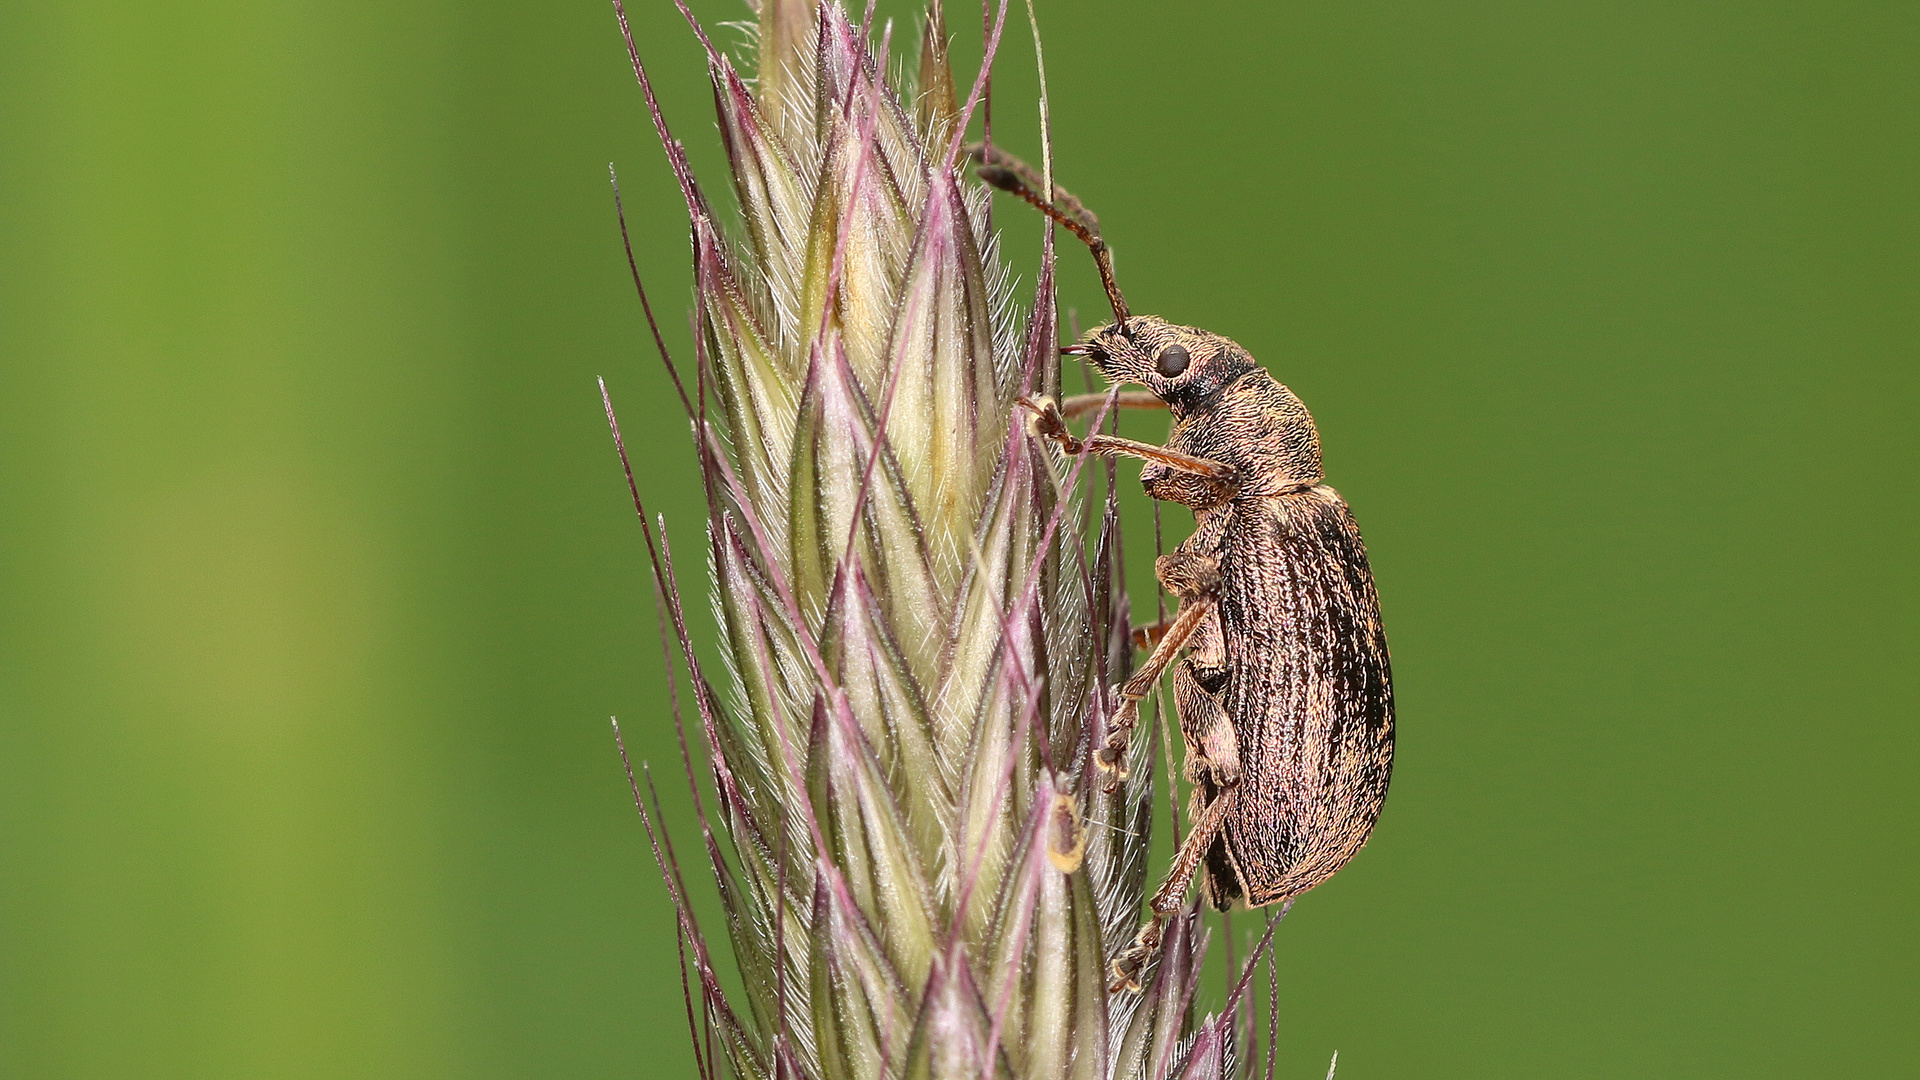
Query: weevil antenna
{"x": 1016, "y": 177}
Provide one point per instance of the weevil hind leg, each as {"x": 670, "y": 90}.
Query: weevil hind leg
{"x": 1124, "y": 972}
{"x": 1213, "y": 764}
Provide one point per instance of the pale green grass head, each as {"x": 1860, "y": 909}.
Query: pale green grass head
{"x": 921, "y": 873}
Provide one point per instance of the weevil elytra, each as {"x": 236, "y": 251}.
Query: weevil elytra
{"x": 1284, "y": 693}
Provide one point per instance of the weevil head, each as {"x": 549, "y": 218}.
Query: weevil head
{"x": 1225, "y": 406}
{"x": 1184, "y": 366}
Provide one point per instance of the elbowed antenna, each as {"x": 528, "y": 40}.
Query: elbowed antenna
{"x": 1016, "y": 177}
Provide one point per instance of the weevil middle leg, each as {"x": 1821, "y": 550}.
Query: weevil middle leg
{"x": 1194, "y": 579}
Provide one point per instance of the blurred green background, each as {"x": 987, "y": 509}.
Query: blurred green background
{"x": 319, "y": 581}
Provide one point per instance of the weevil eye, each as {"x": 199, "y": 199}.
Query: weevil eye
{"x": 1173, "y": 360}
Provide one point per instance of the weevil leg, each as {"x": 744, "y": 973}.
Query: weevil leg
{"x": 1213, "y": 747}
{"x": 1079, "y": 405}
{"x": 1158, "y": 455}
{"x": 1048, "y": 423}
{"x": 1112, "y": 757}
{"x": 1213, "y": 766}
{"x": 1194, "y": 579}
{"x": 1125, "y": 969}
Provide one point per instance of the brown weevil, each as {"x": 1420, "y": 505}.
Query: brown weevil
{"x": 1284, "y": 694}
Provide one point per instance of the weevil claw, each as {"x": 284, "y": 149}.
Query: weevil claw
{"x": 1112, "y": 760}
{"x": 1047, "y": 422}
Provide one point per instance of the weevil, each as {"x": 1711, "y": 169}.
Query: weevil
{"x": 1280, "y": 673}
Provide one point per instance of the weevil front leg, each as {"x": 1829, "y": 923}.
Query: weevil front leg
{"x": 1195, "y": 579}
{"x": 1220, "y": 480}
{"x": 1213, "y": 765}
{"x": 1079, "y": 405}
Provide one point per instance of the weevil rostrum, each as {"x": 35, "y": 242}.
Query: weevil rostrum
{"x": 1280, "y": 673}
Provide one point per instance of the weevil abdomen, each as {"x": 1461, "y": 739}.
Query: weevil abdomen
{"x": 1310, "y": 691}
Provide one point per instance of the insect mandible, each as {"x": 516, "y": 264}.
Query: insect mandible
{"x": 1284, "y": 693}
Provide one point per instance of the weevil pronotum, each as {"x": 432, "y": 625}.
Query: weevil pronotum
{"x": 1284, "y": 694}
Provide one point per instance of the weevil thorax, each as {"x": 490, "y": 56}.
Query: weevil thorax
{"x": 1226, "y": 407}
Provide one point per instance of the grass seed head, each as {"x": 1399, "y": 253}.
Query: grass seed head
{"x": 920, "y": 872}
